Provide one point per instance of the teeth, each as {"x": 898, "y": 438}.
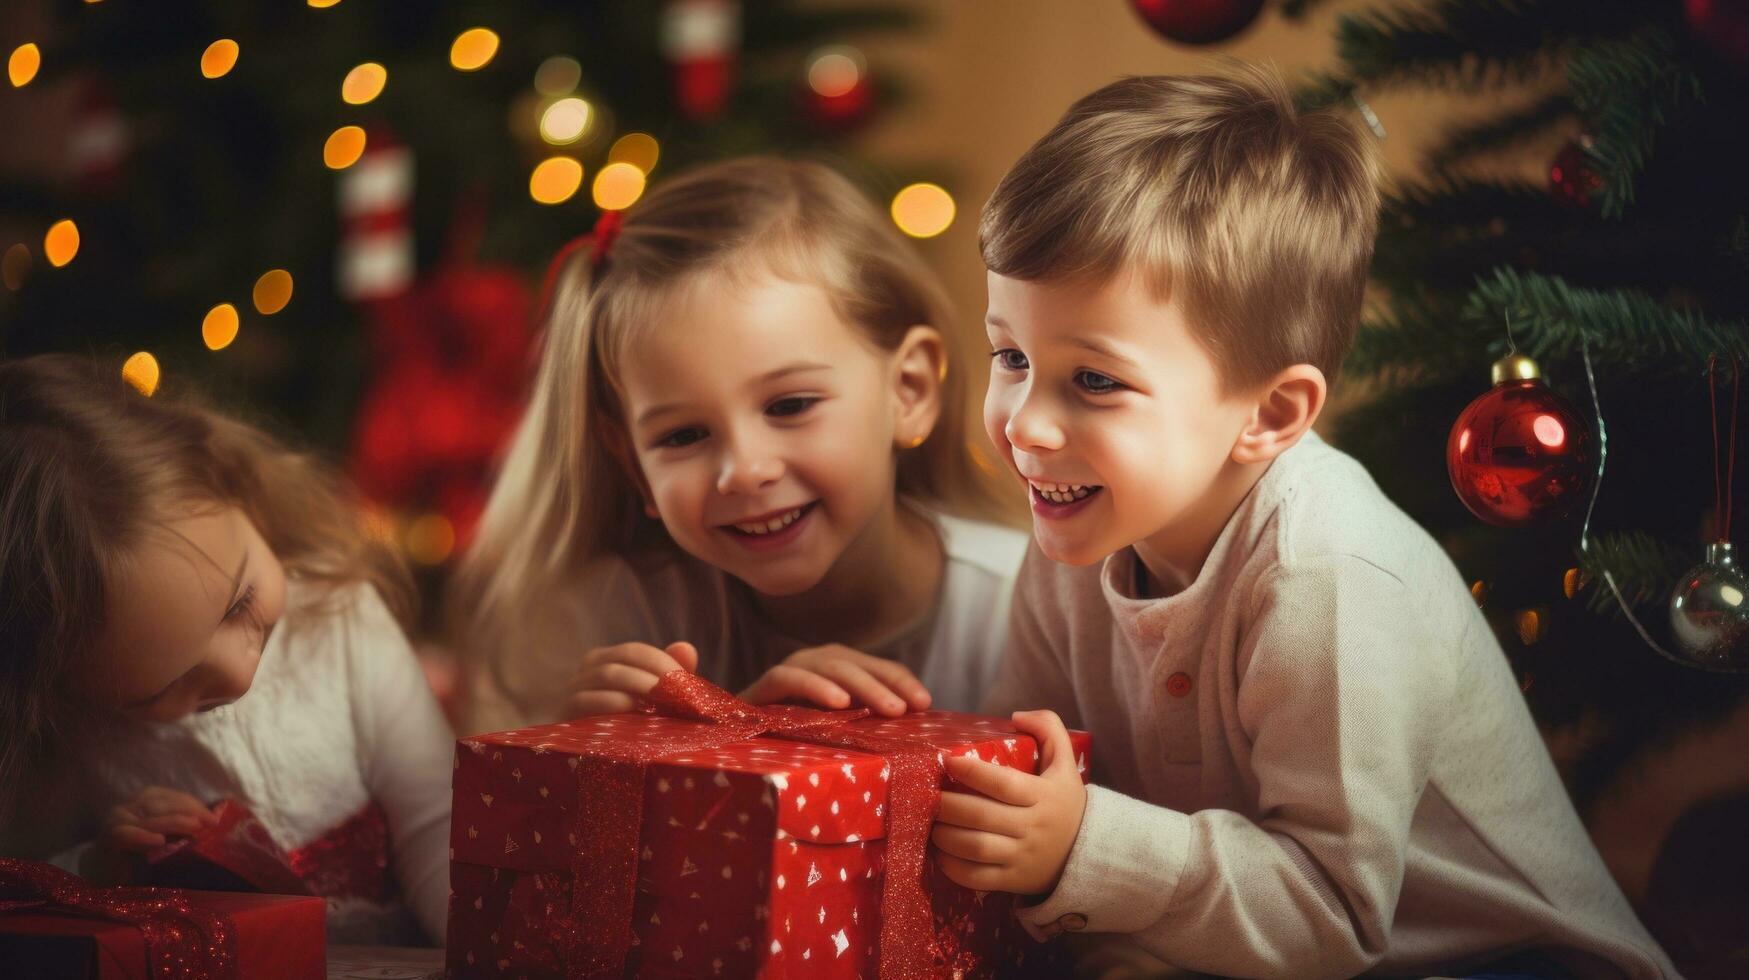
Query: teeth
{"x": 1062, "y": 493}
{"x": 767, "y": 527}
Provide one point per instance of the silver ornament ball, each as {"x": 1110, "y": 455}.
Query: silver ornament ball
{"x": 1709, "y": 612}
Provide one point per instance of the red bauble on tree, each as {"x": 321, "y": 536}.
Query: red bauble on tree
{"x": 1198, "y": 21}
{"x": 838, "y": 93}
{"x": 1520, "y": 453}
{"x": 1571, "y": 177}
{"x": 1722, "y": 25}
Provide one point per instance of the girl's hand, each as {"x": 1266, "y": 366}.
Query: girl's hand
{"x": 832, "y": 676}
{"x": 146, "y": 822}
{"x": 615, "y": 679}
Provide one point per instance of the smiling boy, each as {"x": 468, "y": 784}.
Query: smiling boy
{"x": 1311, "y": 758}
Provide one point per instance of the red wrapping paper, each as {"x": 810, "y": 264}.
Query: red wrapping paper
{"x": 764, "y": 856}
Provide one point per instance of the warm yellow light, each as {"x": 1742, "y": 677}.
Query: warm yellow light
{"x": 565, "y": 121}
{"x": 15, "y": 266}
{"x": 220, "y": 326}
{"x": 638, "y": 149}
{"x": 473, "y": 49}
{"x": 555, "y": 179}
{"x": 1530, "y": 626}
{"x": 430, "y": 539}
{"x": 61, "y": 243}
{"x": 345, "y": 145}
{"x": 618, "y": 186}
{"x": 141, "y": 371}
{"x": 923, "y": 210}
{"x": 835, "y": 71}
{"x": 558, "y": 75}
{"x": 323, "y": 4}
{"x": 363, "y": 83}
{"x": 23, "y": 65}
{"x": 219, "y": 58}
{"x": 272, "y": 291}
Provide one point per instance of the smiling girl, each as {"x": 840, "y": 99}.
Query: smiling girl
{"x": 746, "y": 455}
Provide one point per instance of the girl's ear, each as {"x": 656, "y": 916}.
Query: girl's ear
{"x": 614, "y": 440}
{"x": 1287, "y": 405}
{"x": 919, "y": 368}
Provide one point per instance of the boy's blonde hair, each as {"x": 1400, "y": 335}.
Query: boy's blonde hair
{"x": 565, "y": 494}
{"x": 1257, "y": 217}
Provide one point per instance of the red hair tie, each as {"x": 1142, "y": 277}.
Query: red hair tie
{"x": 605, "y": 234}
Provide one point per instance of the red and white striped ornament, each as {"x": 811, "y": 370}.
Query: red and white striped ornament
{"x": 701, "y": 39}
{"x": 376, "y": 240}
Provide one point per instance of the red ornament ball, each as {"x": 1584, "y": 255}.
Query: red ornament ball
{"x": 1520, "y": 453}
{"x": 1198, "y": 21}
{"x": 1571, "y": 177}
{"x": 1722, "y": 25}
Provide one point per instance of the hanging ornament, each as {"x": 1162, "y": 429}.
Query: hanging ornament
{"x": 1722, "y": 25}
{"x": 1571, "y": 176}
{"x": 97, "y": 142}
{"x": 1520, "y": 453}
{"x": 1709, "y": 611}
{"x": 700, "y": 39}
{"x": 837, "y": 93}
{"x": 1198, "y": 21}
{"x": 376, "y": 238}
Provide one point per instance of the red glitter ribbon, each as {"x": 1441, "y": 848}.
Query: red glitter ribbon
{"x": 182, "y": 942}
{"x": 610, "y": 813}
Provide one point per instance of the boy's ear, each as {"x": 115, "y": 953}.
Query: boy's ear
{"x": 919, "y": 368}
{"x": 1286, "y": 406}
{"x": 614, "y": 440}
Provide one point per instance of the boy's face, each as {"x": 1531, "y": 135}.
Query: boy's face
{"x": 1111, "y": 411}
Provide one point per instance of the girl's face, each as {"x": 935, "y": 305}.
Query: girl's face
{"x": 763, "y": 426}
{"x": 189, "y": 612}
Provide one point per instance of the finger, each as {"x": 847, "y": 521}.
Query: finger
{"x": 684, "y": 654}
{"x": 182, "y": 824}
{"x": 126, "y": 837}
{"x": 624, "y": 678}
{"x": 159, "y": 800}
{"x": 973, "y": 845}
{"x": 644, "y": 657}
{"x": 1056, "y": 752}
{"x": 863, "y": 686}
{"x": 971, "y": 874}
{"x": 898, "y": 679}
{"x": 586, "y": 704}
{"x": 979, "y": 813}
{"x": 784, "y": 681}
{"x": 1009, "y": 786}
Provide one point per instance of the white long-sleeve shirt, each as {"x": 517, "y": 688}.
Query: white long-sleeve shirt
{"x": 1314, "y": 760}
{"x": 339, "y": 717}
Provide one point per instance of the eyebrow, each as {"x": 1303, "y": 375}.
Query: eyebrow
{"x": 996, "y": 321}
{"x": 1104, "y": 350}
{"x": 788, "y": 369}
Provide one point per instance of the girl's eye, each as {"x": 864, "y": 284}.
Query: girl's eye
{"x": 244, "y": 603}
{"x": 1010, "y": 359}
{"x": 681, "y": 437}
{"x": 1096, "y": 383}
{"x": 794, "y": 405}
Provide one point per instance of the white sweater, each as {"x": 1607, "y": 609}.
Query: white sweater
{"x": 1312, "y": 762}
{"x": 339, "y": 716}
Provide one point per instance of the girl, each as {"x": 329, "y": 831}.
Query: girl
{"x": 189, "y": 614}
{"x": 745, "y": 447}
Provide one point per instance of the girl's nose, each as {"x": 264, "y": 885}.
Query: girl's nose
{"x": 748, "y": 468}
{"x": 230, "y": 678}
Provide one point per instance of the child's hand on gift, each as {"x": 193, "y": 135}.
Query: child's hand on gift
{"x": 141, "y": 825}
{"x": 615, "y": 679}
{"x": 1017, "y": 836}
{"x": 833, "y": 676}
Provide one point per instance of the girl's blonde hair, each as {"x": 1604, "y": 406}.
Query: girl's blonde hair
{"x": 565, "y": 494}
{"x": 88, "y": 468}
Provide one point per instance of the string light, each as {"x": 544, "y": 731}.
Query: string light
{"x": 345, "y": 145}
{"x": 23, "y": 65}
{"x": 363, "y": 83}
{"x": 618, "y": 186}
{"x": 61, "y": 242}
{"x": 219, "y": 58}
{"x": 15, "y": 266}
{"x": 272, "y": 291}
{"x": 141, "y": 371}
{"x": 430, "y": 539}
{"x": 323, "y": 4}
{"x": 835, "y": 71}
{"x": 1530, "y": 626}
{"x": 565, "y": 121}
{"x": 1479, "y": 591}
{"x": 555, "y": 180}
{"x": 923, "y": 210}
{"x": 558, "y": 75}
{"x": 219, "y": 327}
{"x": 473, "y": 49}
{"x": 638, "y": 149}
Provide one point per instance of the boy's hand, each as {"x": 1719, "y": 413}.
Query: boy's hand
{"x": 615, "y": 679}
{"x": 831, "y": 676}
{"x": 1017, "y": 840}
{"x": 146, "y": 822}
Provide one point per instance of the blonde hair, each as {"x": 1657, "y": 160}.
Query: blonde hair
{"x": 1260, "y": 218}
{"x": 565, "y": 495}
{"x": 88, "y": 468}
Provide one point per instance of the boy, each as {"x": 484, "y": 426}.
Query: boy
{"x": 1311, "y": 757}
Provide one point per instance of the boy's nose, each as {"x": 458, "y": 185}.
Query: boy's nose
{"x": 1030, "y": 427}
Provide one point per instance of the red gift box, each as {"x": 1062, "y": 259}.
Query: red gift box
{"x": 55, "y": 925}
{"x": 759, "y": 856}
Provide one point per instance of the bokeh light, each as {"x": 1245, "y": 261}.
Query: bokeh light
{"x": 26, "y": 60}
{"x": 363, "y": 83}
{"x": 473, "y": 49}
{"x": 565, "y": 121}
{"x": 430, "y": 539}
{"x": 638, "y": 149}
{"x": 141, "y": 371}
{"x": 558, "y": 75}
{"x": 618, "y": 186}
{"x": 323, "y": 4}
{"x": 555, "y": 180}
{"x": 219, "y": 327}
{"x": 345, "y": 145}
{"x": 1530, "y": 626}
{"x": 15, "y": 267}
{"x": 61, "y": 242}
{"x": 923, "y": 210}
{"x": 219, "y": 58}
{"x": 272, "y": 291}
{"x": 835, "y": 71}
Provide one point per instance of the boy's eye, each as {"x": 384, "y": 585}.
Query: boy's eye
{"x": 681, "y": 437}
{"x": 1010, "y": 358}
{"x": 1096, "y": 383}
{"x": 794, "y": 405}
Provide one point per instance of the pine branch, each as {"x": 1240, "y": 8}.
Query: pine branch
{"x": 1298, "y": 9}
{"x": 1623, "y": 327}
{"x": 1413, "y": 341}
{"x": 1321, "y": 91}
{"x": 1628, "y": 89}
{"x": 1494, "y": 134}
{"x": 1642, "y": 565}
